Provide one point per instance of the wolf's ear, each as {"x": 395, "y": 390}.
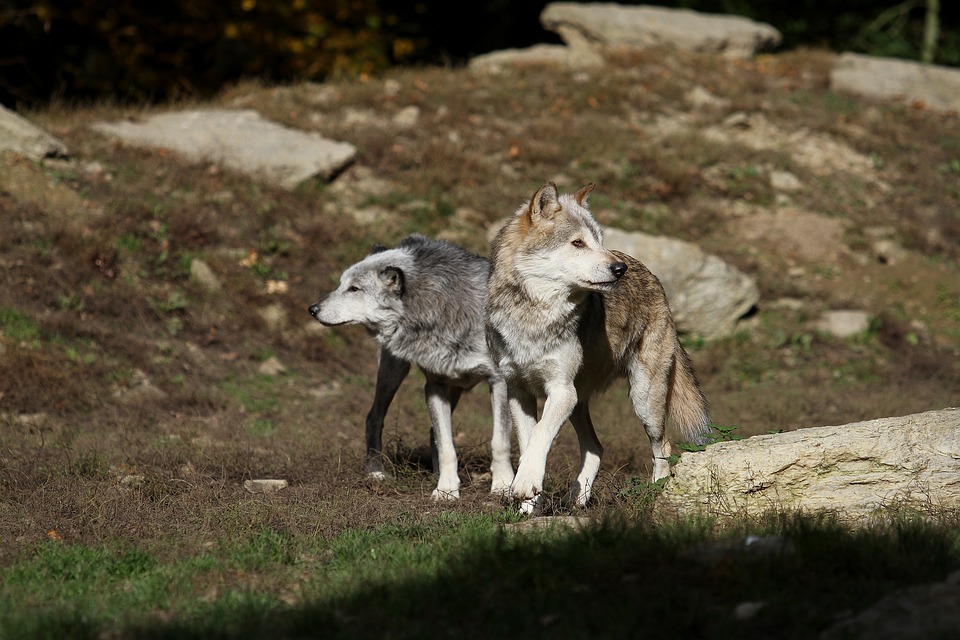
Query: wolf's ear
{"x": 544, "y": 204}
{"x": 392, "y": 279}
{"x": 582, "y": 195}
{"x": 377, "y": 248}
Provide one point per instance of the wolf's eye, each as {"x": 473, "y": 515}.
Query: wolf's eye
{"x": 578, "y": 243}
{"x": 353, "y": 288}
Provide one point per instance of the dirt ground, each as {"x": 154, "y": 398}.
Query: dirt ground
{"x": 136, "y": 400}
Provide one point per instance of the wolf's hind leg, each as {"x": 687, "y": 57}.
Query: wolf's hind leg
{"x": 440, "y": 398}
{"x": 648, "y": 394}
{"x": 391, "y": 372}
{"x": 523, "y": 414}
{"x": 591, "y": 452}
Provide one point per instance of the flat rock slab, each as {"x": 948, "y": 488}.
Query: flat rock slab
{"x": 240, "y": 140}
{"x": 614, "y": 25}
{"x": 890, "y": 79}
{"x": 21, "y": 136}
{"x": 551, "y": 523}
{"x": 852, "y": 470}
{"x": 539, "y": 55}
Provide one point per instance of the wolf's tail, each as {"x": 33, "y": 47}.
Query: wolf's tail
{"x": 686, "y": 403}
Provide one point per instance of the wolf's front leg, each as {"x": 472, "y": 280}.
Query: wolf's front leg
{"x": 528, "y": 483}
{"x": 391, "y": 371}
{"x": 439, "y": 398}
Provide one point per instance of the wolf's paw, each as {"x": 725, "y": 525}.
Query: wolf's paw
{"x": 501, "y": 482}
{"x": 525, "y": 486}
{"x": 661, "y": 468}
{"x": 449, "y": 495}
{"x": 532, "y": 506}
{"x": 578, "y": 496}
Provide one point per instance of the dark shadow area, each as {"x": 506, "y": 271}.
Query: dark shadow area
{"x": 619, "y": 581}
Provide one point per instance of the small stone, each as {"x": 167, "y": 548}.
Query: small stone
{"x": 391, "y": 88}
{"x": 35, "y": 420}
{"x": 202, "y": 274}
{"x": 747, "y": 610}
{"x": 844, "y": 323}
{"x": 785, "y": 181}
{"x": 264, "y": 485}
{"x": 274, "y": 316}
{"x": 277, "y": 286}
{"x": 738, "y": 120}
{"x": 272, "y": 367}
{"x": 407, "y": 117}
{"x": 700, "y": 98}
{"x": 326, "y": 390}
{"x": 888, "y": 251}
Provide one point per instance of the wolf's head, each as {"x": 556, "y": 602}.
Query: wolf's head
{"x": 370, "y": 291}
{"x": 557, "y": 246}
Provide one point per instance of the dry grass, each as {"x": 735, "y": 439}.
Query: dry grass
{"x": 107, "y": 303}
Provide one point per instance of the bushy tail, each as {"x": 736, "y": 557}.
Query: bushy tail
{"x": 686, "y": 403}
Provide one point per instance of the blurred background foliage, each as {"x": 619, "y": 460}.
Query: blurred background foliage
{"x": 133, "y": 51}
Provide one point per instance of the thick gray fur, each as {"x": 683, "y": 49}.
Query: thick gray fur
{"x": 423, "y": 302}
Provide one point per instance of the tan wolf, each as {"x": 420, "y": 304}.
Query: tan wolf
{"x": 564, "y": 318}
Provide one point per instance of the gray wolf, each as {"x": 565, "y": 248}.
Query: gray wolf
{"x": 564, "y": 318}
{"x": 423, "y": 303}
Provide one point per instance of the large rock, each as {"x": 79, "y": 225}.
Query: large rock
{"x": 707, "y": 296}
{"x": 240, "y": 140}
{"x": 587, "y": 26}
{"x": 889, "y": 79}
{"x": 852, "y": 469}
{"x": 26, "y": 139}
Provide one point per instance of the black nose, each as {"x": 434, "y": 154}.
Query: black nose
{"x": 618, "y": 269}
{"x": 314, "y": 309}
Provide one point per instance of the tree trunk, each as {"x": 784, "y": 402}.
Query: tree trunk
{"x": 931, "y": 32}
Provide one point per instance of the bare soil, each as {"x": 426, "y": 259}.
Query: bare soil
{"x": 134, "y": 403}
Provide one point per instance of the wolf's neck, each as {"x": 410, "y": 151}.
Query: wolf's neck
{"x": 538, "y": 306}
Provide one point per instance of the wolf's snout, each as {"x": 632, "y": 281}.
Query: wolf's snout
{"x": 314, "y": 309}
{"x": 618, "y": 269}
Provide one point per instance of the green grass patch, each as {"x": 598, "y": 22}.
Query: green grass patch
{"x": 465, "y": 575}
{"x": 259, "y": 427}
{"x": 19, "y": 326}
{"x": 256, "y": 393}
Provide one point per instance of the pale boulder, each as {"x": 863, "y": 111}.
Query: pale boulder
{"x": 590, "y": 26}
{"x": 852, "y": 470}
{"x": 707, "y": 295}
